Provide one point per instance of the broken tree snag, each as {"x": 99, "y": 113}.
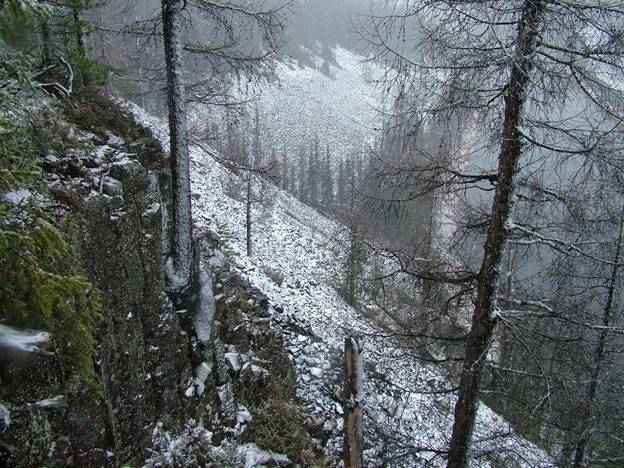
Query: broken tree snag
{"x": 352, "y": 398}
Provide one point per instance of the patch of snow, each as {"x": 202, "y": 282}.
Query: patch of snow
{"x": 50, "y": 159}
{"x": 201, "y": 375}
{"x": 204, "y": 317}
{"x": 233, "y": 360}
{"x": 115, "y": 141}
{"x": 243, "y": 416}
{"x": 183, "y": 449}
{"x": 152, "y": 210}
{"x": 5, "y": 418}
{"x": 54, "y": 402}
{"x": 254, "y": 457}
{"x": 340, "y": 109}
{"x": 21, "y": 340}
{"x": 16, "y": 197}
{"x": 217, "y": 260}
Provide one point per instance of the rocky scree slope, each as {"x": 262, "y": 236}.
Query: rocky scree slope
{"x": 296, "y": 266}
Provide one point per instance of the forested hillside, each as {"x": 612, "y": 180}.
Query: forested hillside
{"x": 311, "y": 233}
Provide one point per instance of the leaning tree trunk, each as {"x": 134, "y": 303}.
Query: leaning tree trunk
{"x": 248, "y": 219}
{"x": 601, "y": 351}
{"x": 484, "y": 319}
{"x": 179, "y": 265}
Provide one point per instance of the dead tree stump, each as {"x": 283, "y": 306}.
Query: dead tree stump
{"x": 352, "y": 400}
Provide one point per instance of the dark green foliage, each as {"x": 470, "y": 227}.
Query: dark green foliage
{"x": 36, "y": 35}
{"x": 353, "y": 269}
{"x": 42, "y": 288}
{"x": 18, "y": 21}
{"x": 41, "y": 285}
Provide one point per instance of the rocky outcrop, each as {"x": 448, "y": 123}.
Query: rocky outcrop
{"x": 143, "y": 358}
{"x": 204, "y": 382}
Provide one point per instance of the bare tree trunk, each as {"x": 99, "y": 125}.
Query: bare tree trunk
{"x": 353, "y": 390}
{"x": 179, "y": 266}
{"x": 80, "y": 45}
{"x": 248, "y": 215}
{"x": 483, "y": 319}
{"x": 46, "y": 45}
{"x": 601, "y": 351}
{"x": 102, "y": 35}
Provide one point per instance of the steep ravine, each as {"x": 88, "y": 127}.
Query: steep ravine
{"x": 153, "y": 403}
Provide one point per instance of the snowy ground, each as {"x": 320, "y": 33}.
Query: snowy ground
{"x": 341, "y": 109}
{"x": 296, "y": 241}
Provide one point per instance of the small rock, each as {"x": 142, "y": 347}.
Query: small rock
{"x": 243, "y": 416}
{"x": 234, "y": 361}
{"x": 112, "y": 186}
{"x": 126, "y": 168}
{"x": 50, "y": 160}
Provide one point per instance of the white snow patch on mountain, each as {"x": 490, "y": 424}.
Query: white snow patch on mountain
{"x": 341, "y": 109}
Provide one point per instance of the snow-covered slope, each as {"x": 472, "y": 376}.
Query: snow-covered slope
{"x": 341, "y": 109}
{"x": 402, "y": 395}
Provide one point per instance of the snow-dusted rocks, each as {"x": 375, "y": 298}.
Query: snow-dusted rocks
{"x": 255, "y": 457}
{"x": 254, "y": 373}
{"x": 234, "y": 361}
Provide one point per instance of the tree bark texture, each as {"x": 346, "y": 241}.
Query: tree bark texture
{"x": 179, "y": 271}
{"x": 80, "y": 44}
{"x": 248, "y": 214}
{"x": 353, "y": 391}
{"x": 46, "y": 46}
{"x": 484, "y": 318}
